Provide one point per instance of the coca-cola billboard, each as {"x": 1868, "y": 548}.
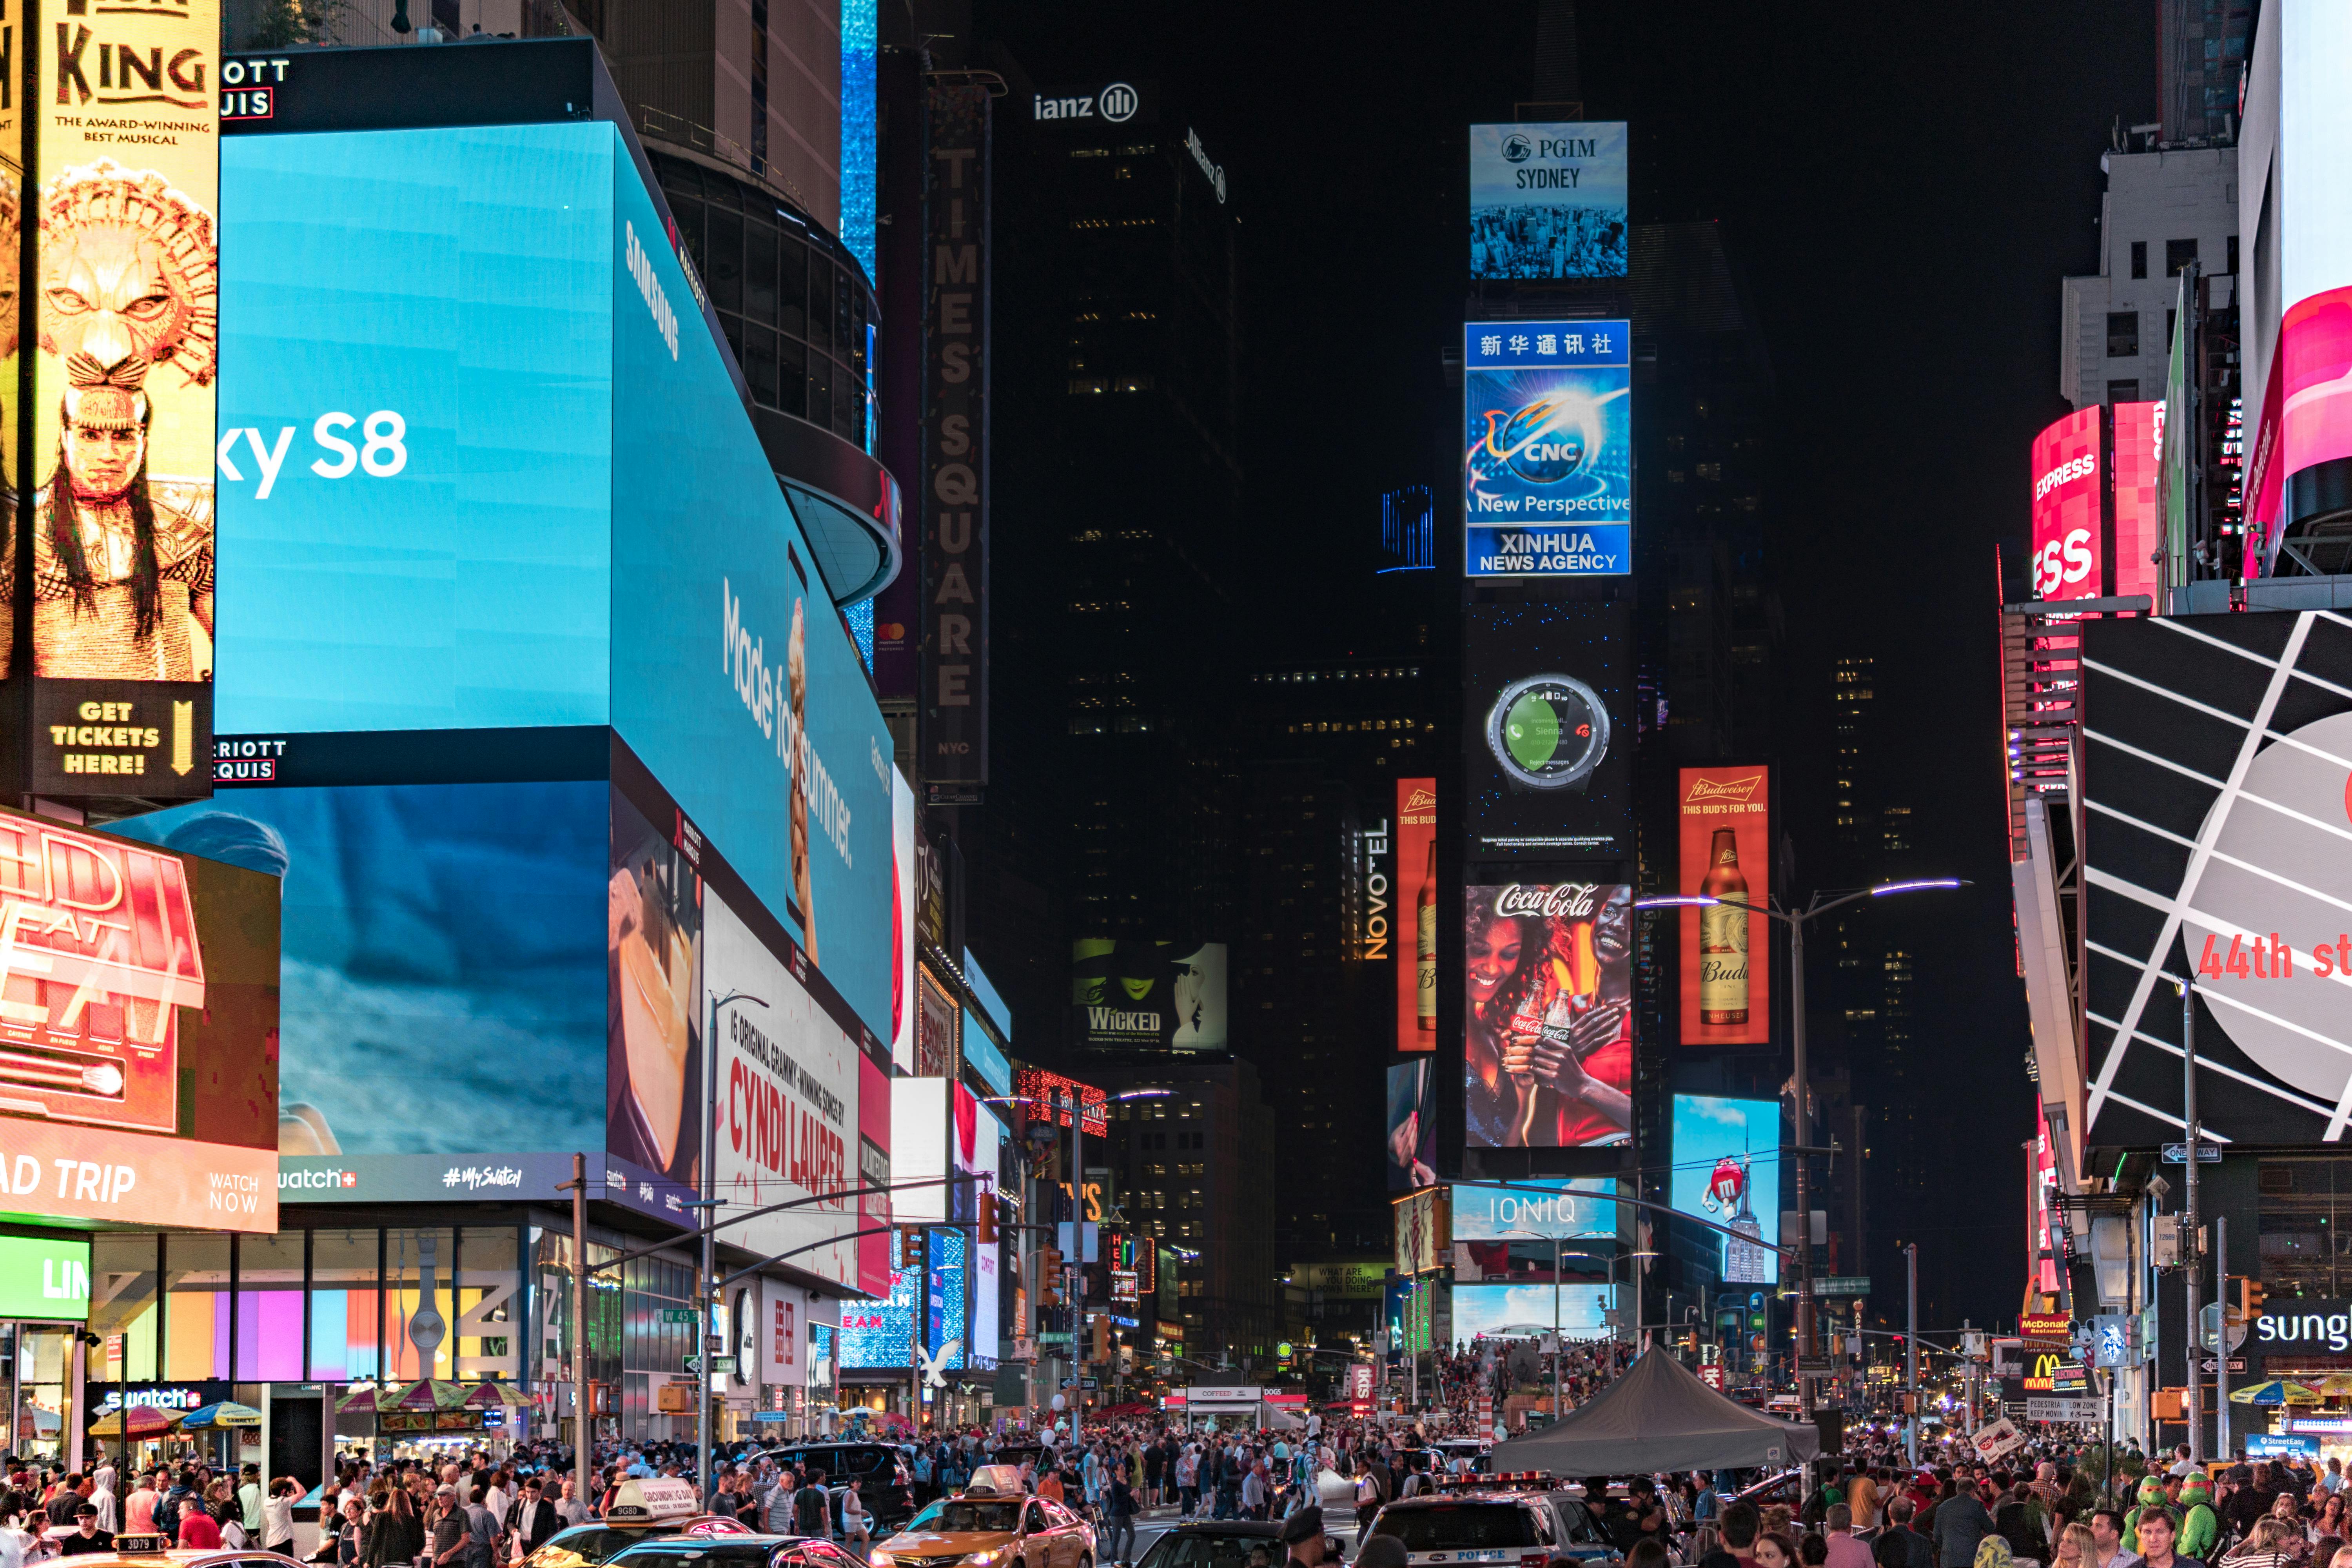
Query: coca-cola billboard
{"x": 1548, "y": 1058}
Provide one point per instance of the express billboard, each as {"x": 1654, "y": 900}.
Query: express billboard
{"x": 1548, "y": 200}
{"x": 1724, "y": 817}
{"x": 1548, "y": 768}
{"x": 1149, "y": 996}
{"x": 1547, "y": 1012}
{"x": 2068, "y": 482}
{"x": 2217, "y": 768}
{"x": 1416, "y": 864}
{"x": 1727, "y": 1169}
{"x": 1547, "y": 448}
{"x": 410, "y": 554}
{"x": 141, "y": 1084}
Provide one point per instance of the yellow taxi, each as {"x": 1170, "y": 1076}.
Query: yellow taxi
{"x": 647, "y": 1509}
{"x": 990, "y": 1524}
{"x": 156, "y": 1551}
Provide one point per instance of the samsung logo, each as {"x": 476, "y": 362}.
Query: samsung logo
{"x": 641, "y": 268}
{"x": 2316, "y": 1325}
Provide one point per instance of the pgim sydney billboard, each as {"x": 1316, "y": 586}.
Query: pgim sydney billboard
{"x": 1548, "y": 200}
{"x": 1547, "y": 448}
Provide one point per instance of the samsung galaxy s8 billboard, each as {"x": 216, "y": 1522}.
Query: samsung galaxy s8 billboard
{"x": 1547, "y": 458}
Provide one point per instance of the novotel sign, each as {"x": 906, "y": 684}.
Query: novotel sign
{"x": 2303, "y": 1323}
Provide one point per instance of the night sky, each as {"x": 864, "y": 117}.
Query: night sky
{"x": 1902, "y": 190}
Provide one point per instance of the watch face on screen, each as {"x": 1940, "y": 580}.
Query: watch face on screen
{"x": 1548, "y": 732}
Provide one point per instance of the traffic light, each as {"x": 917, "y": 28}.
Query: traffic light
{"x": 988, "y": 1219}
{"x": 1102, "y": 1339}
{"x": 2251, "y": 1293}
{"x": 1049, "y": 1277}
{"x": 911, "y": 1249}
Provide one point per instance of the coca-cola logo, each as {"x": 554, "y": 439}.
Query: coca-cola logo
{"x": 1571, "y": 901}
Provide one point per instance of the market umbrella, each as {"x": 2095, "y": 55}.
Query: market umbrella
{"x": 426, "y": 1394}
{"x": 227, "y": 1413}
{"x": 496, "y": 1396}
{"x": 146, "y": 1421}
{"x": 2277, "y": 1390}
{"x": 361, "y": 1397}
{"x": 2336, "y": 1386}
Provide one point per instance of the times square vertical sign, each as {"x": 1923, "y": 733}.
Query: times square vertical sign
{"x": 954, "y": 733}
{"x": 109, "y": 184}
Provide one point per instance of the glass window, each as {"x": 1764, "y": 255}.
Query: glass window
{"x": 269, "y": 1308}
{"x": 346, "y": 1309}
{"x": 840, "y": 312}
{"x": 2123, "y": 334}
{"x": 122, "y": 1304}
{"x": 759, "y": 357}
{"x": 820, "y": 391}
{"x": 688, "y": 215}
{"x": 2178, "y": 254}
{"x": 409, "y": 1257}
{"x": 791, "y": 285}
{"x": 732, "y": 325}
{"x": 724, "y": 271}
{"x": 760, "y": 273}
{"x": 197, "y": 1308}
{"x": 489, "y": 1328}
{"x": 844, "y": 403}
{"x": 2139, "y": 258}
{"x": 820, "y": 302}
{"x": 792, "y": 377}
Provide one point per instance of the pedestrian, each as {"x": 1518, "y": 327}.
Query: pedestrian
{"x": 1188, "y": 1479}
{"x": 1118, "y": 1519}
{"x": 277, "y": 1516}
{"x": 855, "y": 1523}
{"x": 1961, "y": 1523}
{"x": 1842, "y": 1550}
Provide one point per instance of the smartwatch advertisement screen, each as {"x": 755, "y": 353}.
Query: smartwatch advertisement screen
{"x": 1548, "y": 711}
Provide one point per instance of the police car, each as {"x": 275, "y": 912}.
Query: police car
{"x": 1523, "y": 1519}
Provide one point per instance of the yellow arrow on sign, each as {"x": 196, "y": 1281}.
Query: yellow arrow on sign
{"x": 183, "y": 736}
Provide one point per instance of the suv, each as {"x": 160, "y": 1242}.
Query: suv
{"x": 1522, "y": 1529}
{"x": 876, "y": 1465}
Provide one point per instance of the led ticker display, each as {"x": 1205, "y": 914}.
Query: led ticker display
{"x": 1724, "y": 817}
{"x": 1046, "y": 1097}
{"x": 1547, "y": 448}
{"x": 1547, "y": 201}
{"x": 1727, "y": 1170}
{"x": 1547, "y": 1006}
{"x": 2067, "y": 484}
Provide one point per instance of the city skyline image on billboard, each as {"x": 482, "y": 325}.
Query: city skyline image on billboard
{"x": 1548, "y": 1054}
{"x": 1548, "y": 443}
{"x": 1727, "y": 1170}
{"x": 1547, "y": 201}
{"x": 1548, "y": 763}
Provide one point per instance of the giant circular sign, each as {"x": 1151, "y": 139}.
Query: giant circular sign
{"x": 2280, "y": 863}
{"x": 1548, "y": 732}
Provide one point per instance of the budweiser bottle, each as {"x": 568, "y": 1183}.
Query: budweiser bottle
{"x": 1425, "y": 947}
{"x": 1723, "y": 935}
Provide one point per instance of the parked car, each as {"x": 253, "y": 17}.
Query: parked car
{"x": 990, "y": 1530}
{"x": 733, "y": 1552}
{"x": 1224, "y": 1544}
{"x": 1537, "y": 1526}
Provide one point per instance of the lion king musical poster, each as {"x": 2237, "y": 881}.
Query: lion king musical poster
{"x": 111, "y": 460}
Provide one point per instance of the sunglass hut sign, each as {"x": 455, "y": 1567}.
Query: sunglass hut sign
{"x": 2303, "y": 1324}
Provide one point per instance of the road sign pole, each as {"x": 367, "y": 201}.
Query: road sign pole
{"x": 2222, "y": 1351}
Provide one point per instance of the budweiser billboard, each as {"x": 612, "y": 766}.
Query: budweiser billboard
{"x": 138, "y": 1006}
{"x": 2067, "y": 483}
{"x": 1547, "y": 1058}
{"x": 1724, "y": 822}
{"x": 1416, "y": 877}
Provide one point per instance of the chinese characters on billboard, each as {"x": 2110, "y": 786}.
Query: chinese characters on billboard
{"x": 1726, "y": 827}
{"x": 1547, "y": 201}
{"x": 1727, "y": 1169}
{"x": 1416, "y": 865}
{"x": 2067, "y": 483}
{"x": 1547, "y": 448}
{"x": 1547, "y": 766}
{"x": 111, "y": 467}
{"x": 1548, "y": 1011}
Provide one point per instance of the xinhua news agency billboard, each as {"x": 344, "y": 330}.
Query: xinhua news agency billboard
{"x": 1547, "y": 448}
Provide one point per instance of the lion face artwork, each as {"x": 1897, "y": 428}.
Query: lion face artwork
{"x": 128, "y": 268}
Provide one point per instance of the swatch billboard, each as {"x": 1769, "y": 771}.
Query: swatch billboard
{"x": 1547, "y": 448}
{"x": 1724, "y": 820}
{"x": 1547, "y": 201}
{"x": 1547, "y": 1012}
{"x": 1548, "y": 766}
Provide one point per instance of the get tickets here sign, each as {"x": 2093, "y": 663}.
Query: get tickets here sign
{"x": 81, "y": 1172}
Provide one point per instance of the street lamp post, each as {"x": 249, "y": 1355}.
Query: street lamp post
{"x": 705, "y": 1298}
{"x": 1796, "y": 920}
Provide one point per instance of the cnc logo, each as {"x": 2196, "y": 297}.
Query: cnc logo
{"x": 1739, "y": 790}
